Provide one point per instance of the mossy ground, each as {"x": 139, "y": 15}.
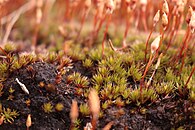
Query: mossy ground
{"x": 64, "y": 68}
{"x": 116, "y": 77}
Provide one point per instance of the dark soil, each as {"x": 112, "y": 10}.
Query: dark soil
{"x": 163, "y": 115}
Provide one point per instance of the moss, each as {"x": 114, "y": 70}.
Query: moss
{"x": 116, "y": 76}
{"x": 47, "y": 107}
{"x": 9, "y": 115}
{"x": 84, "y": 109}
{"x": 59, "y": 107}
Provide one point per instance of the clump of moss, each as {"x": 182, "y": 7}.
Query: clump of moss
{"x": 47, "y": 107}
{"x": 8, "y": 114}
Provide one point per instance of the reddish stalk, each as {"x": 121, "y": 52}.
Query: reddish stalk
{"x": 5, "y": 53}
{"x": 177, "y": 26}
{"x": 2, "y": 50}
{"x": 34, "y": 40}
{"x": 180, "y": 49}
{"x": 72, "y": 9}
{"x": 162, "y": 34}
{"x": 138, "y": 19}
{"x": 82, "y": 22}
{"x": 126, "y": 30}
{"x": 193, "y": 46}
{"x": 155, "y": 20}
{"x": 143, "y": 18}
{"x": 146, "y": 50}
{"x": 171, "y": 15}
{"x": 171, "y": 39}
{"x": 150, "y": 61}
{"x": 99, "y": 26}
{"x": 185, "y": 54}
{"x": 172, "y": 33}
{"x": 99, "y": 5}
{"x": 156, "y": 67}
{"x": 94, "y": 123}
{"x": 95, "y": 20}
{"x": 105, "y": 32}
{"x": 193, "y": 70}
{"x": 115, "y": 49}
{"x": 67, "y": 12}
{"x": 145, "y": 72}
{"x": 185, "y": 41}
{"x": 38, "y": 22}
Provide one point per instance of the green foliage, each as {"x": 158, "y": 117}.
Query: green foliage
{"x": 9, "y": 47}
{"x": 148, "y": 95}
{"x": 51, "y": 57}
{"x": 95, "y": 54}
{"x": 97, "y": 79}
{"x": 77, "y": 124}
{"x": 78, "y": 80}
{"x": 59, "y": 106}
{"x": 126, "y": 93}
{"x": 76, "y": 53}
{"x": 192, "y": 94}
{"x": 84, "y": 109}
{"x": 47, "y": 107}
{"x": 9, "y": 115}
{"x": 87, "y": 63}
{"x": 105, "y": 105}
{"x": 135, "y": 95}
{"x": 11, "y": 90}
{"x": 169, "y": 75}
{"x": 3, "y": 69}
{"x": 1, "y": 89}
{"x": 134, "y": 72}
{"x": 165, "y": 88}
{"x": 138, "y": 52}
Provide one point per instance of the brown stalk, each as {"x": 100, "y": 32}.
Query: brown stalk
{"x": 193, "y": 70}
